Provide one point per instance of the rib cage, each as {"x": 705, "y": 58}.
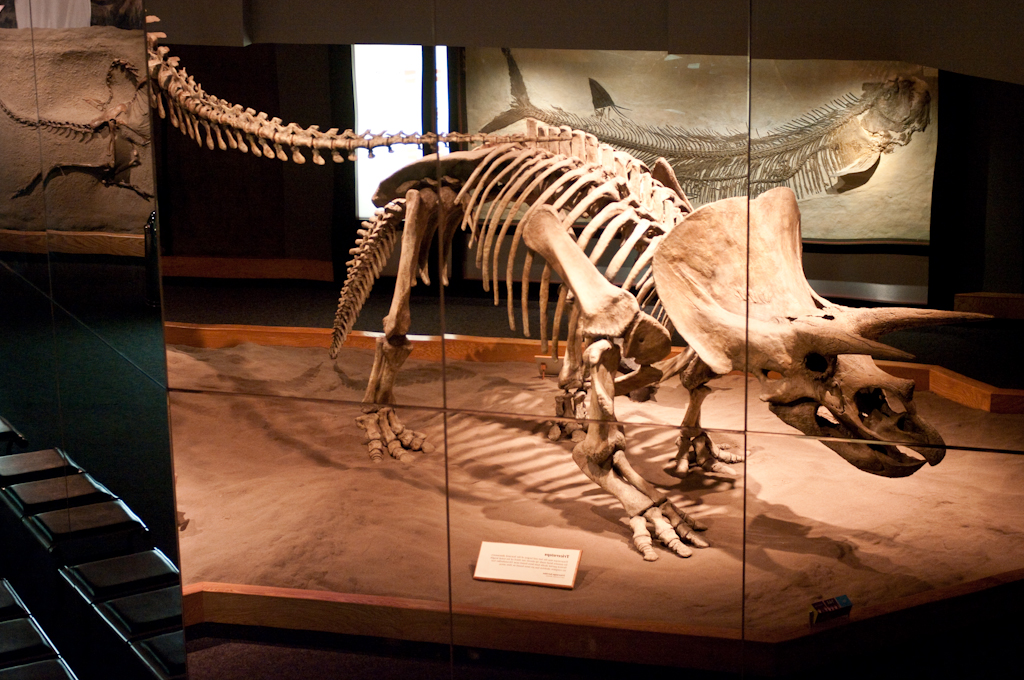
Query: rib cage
{"x": 373, "y": 247}
{"x": 560, "y": 166}
{"x": 581, "y": 178}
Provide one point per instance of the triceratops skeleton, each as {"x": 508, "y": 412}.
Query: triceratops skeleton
{"x": 690, "y": 271}
{"x": 727, "y": 277}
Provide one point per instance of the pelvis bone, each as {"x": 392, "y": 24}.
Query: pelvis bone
{"x": 827, "y": 384}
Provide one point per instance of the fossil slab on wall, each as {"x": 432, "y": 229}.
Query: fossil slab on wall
{"x": 708, "y": 95}
{"x": 65, "y": 167}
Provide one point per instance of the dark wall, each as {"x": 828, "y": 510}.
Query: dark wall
{"x": 229, "y": 204}
{"x": 977, "y": 238}
{"x": 981, "y": 39}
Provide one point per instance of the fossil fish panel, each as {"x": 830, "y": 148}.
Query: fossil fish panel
{"x": 855, "y": 140}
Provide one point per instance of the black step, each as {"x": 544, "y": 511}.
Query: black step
{"x": 163, "y": 654}
{"x": 23, "y": 641}
{"x": 144, "y": 614}
{"x": 89, "y": 532}
{"x": 55, "y": 493}
{"x": 9, "y": 436}
{"x": 11, "y": 606}
{"x": 28, "y": 467}
{"x": 120, "y": 576}
{"x": 52, "y": 669}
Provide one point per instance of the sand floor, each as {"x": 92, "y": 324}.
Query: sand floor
{"x": 275, "y": 481}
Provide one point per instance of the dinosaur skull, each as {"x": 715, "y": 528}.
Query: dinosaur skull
{"x": 847, "y": 397}
{"x": 757, "y": 313}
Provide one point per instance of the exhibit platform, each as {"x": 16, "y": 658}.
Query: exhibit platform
{"x": 291, "y": 526}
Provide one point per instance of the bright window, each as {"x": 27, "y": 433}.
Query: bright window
{"x": 389, "y": 94}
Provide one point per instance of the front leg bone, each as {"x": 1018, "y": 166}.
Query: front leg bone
{"x": 604, "y": 309}
{"x": 601, "y": 457}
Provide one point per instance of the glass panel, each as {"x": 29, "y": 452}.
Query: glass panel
{"x": 308, "y": 496}
{"x": 115, "y": 421}
{"x": 31, "y": 401}
{"x": 97, "y": 175}
{"x": 819, "y": 529}
{"x": 511, "y": 486}
{"x": 307, "y": 509}
{"x": 864, "y": 231}
{"x": 105, "y": 492}
{"x": 670, "y": 98}
{"x": 514, "y": 435}
{"x": 22, "y": 210}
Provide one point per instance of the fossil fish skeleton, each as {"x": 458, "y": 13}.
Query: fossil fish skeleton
{"x": 834, "y": 148}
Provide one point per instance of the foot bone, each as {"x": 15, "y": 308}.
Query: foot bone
{"x": 697, "y": 450}
{"x": 384, "y": 431}
{"x": 671, "y": 526}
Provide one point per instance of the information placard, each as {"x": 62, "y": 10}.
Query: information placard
{"x": 533, "y": 564}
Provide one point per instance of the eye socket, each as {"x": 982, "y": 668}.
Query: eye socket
{"x": 816, "y": 363}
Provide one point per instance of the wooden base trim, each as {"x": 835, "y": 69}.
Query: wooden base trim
{"x": 14, "y": 241}
{"x": 246, "y": 268}
{"x": 73, "y": 242}
{"x": 707, "y": 648}
{"x": 428, "y": 347}
{"x": 472, "y": 626}
{"x": 958, "y": 388}
{"x": 293, "y": 609}
{"x": 219, "y": 336}
{"x": 1000, "y": 305}
{"x": 941, "y": 381}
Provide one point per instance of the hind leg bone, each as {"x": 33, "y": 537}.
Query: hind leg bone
{"x": 383, "y": 428}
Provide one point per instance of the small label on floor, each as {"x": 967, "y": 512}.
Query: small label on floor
{"x": 532, "y": 564}
{"x": 825, "y": 610}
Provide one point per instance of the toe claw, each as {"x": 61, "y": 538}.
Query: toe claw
{"x": 681, "y": 468}
{"x": 678, "y": 547}
{"x": 385, "y": 431}
{"x": 695, "y": 540}
{"x": 554, "y": 432}
{"x": 712, "y": 465}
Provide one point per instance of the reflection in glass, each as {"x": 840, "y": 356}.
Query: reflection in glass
{"x": 22, "y": 215}
{"x": 96, "y": 177}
